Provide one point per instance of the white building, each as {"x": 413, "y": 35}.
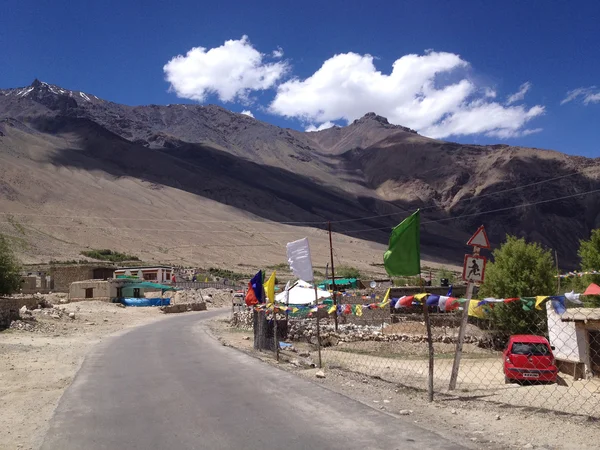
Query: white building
{"x": 156, "y": 274}
{"x": 575, "y": 336}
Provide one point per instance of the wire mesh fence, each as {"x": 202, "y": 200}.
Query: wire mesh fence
{"x": 539, "y": 359}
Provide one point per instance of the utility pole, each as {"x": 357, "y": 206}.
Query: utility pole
{"x": 335, "y": 317}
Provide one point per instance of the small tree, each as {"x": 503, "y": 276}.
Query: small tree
{"x": 520, "y": 269}
{"x": 589, "y": 252}
{"x": 347, "y": 272}
{"x": 10, "y": 276}
{"x": 444, "y": 272}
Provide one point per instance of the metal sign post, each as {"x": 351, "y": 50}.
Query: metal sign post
{"x": 473, "y": 272}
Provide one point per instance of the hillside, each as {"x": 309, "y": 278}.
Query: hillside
{"x": 201, "y": 185}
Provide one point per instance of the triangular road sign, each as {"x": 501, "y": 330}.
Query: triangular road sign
{"x": 479, "y": 239}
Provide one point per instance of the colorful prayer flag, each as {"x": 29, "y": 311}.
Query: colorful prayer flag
{"x": 358, "y": 310}
{"x": 403, "y": 257}
{"x": 270, "y": 288}
{"x": 255, "y": 288}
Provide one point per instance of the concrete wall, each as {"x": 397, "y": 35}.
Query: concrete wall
{"x": 9, "y": 308}
{"x": 102, "y": 290}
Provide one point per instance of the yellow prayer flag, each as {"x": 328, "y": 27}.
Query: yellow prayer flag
{"x": 539, "y": 300}
{"x": 421, "y": 296}
{"x": 270, "y": 288}
{"x": 358, "y": 310}
{"x": 331, "y": 309}
{"x": 476, "y": 311}
{"x": 295, "y": 310}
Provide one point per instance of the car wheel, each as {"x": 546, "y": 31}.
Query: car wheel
{"x": 507, "y": 380}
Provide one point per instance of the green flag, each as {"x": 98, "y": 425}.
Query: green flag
{"x": 403, "y": 257}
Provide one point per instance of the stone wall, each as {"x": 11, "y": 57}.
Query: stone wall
{"x": 183, "y": 307}
{"x": 9, "y": 308}
{"x": 63, "y": 276}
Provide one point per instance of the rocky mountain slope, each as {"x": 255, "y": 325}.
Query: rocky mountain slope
{"x": 160, "y": 179}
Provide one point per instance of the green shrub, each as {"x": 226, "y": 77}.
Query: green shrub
{"x": 109, "y": 255}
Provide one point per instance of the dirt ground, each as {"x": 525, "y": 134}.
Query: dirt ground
{"x": 39, "y": 365}
{"x": 474, "y": 419}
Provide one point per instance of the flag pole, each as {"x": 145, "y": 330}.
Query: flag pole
{"x": 318, "y": 327}
{"x": 335, "y": 316}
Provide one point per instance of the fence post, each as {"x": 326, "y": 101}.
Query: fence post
{"x": 461, "y": 337}
{"x": 430, "y": 348}
{"x": 275, "y": 332}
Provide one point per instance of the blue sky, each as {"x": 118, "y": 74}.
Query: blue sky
{"x": 469, "y": 58}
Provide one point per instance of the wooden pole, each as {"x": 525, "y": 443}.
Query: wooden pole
{"x": 275, "y": 331}
{"x": 461, "y": 337}
{"x": 429, "y": 344}
{"x": 318, "y": 326}
{"x": 557, "y": 273}
{"x": 335, "y": 316}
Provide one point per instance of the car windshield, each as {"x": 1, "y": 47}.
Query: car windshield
{"x": 530, "y": 348}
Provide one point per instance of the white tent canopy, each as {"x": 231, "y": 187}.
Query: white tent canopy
{"x": 302, "y": 293}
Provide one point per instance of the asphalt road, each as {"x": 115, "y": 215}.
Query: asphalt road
{"x": 169, "y": 385}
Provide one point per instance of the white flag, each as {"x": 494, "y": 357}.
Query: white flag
{"x": 298, "y": 253}
{"x": 573, "y": 298}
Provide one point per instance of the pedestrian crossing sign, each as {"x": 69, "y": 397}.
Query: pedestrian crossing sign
{"x": 474, "y": 268}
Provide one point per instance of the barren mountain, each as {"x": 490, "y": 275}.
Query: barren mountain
{"x": 203, "y": 185}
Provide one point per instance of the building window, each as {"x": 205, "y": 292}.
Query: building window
{"x": 150, "y": 276}
{"x": 89, "y": 293}
{"x": 136, "y": 293}
{"x": 120, "y": 292}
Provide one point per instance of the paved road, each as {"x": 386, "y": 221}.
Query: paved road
{"x": 169, "y": 385}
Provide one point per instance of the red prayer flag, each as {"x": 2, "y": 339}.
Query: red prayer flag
{"x": 251, "y": 296}
{"x": 592, "y": 289}
{"x": 452, "y": 303}
{"x": 407, "y": 301}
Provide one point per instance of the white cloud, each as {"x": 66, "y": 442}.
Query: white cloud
{"x": 323, "y": 126}
{"x": 489, "y": 92}
{"x": 247, "y": 112}
{"x": 278, "y": 53}
{"x": 589, "y": 95}
{"x": 230, "y": 71}
{"x": 520, "y": 95}
{"x": 348, "y": 85}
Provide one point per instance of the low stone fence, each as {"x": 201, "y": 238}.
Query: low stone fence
{"x": 9, "y": 308}
{"x": 242, "y": 319}
{"x": 307, "y": 331}
{"x": 183, "y": 307}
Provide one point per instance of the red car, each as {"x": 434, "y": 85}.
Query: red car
{"x": 528, "y": 357}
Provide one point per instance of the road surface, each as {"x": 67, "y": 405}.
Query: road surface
{"x": 170, "y": 385}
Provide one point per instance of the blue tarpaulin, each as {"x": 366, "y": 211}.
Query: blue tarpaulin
{"x": 146, "y": 301}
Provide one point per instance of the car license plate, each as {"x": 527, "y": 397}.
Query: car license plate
{"x": 531, "y": 375}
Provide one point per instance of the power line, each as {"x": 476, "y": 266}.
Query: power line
{"x": 524, "y": 205}
{"x": 473, "y": 198}
{"x": 52, "y": 216}
{"x": 307, "y": 222}
{"x": 312, "y": 230}
{"x": 161, "y": 229}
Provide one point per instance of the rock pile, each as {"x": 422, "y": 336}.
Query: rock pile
{"x": 307, "y": 330}
{"x": 242, "y": 319}
{"x": 28, "y": 319}
{"x": 214, "y": 298}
